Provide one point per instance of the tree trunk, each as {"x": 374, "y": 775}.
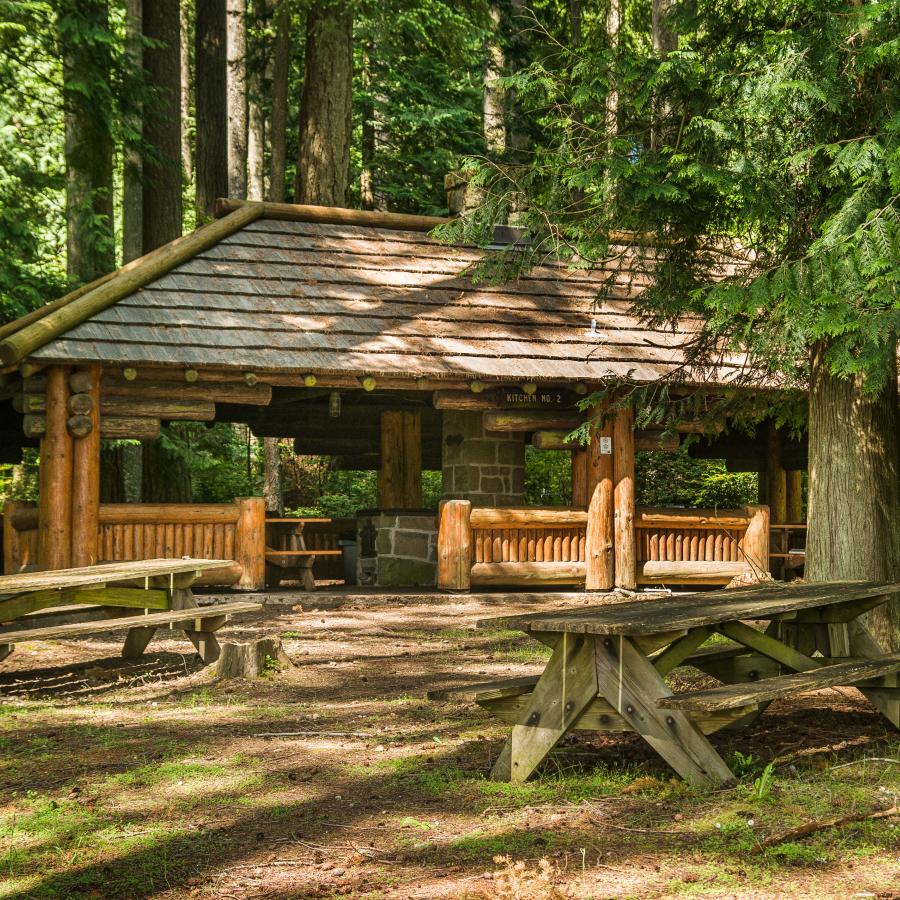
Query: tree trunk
{"x": 166, "y": 477}
{"x": 236, "y": 43}
{"x": 664, "y": 42}
{"x": 323, "y": 159}
{"x": 121, "y": 466}
{"x": 132, "y": 187}
{"x": 373, "y": 135}
{"x": 257, "y": 89}
{"x": 613, "y": 24}
{"x": 187, "y": 163}
{"x": 211, "y": 111}
{"x": 90, "y": 245}
{"x": 272, "y": 476}
{"x": 278, "y": 122}
{"x": 162, "y": 124}
{"x": 854, "y": 486}
{"x": 492, "y": 99}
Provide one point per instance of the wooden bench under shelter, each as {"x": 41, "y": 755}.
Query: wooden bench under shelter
{"x": 287, "y": 553}
{"x": 142, "y": 596}
{"x": 608, "y": 666}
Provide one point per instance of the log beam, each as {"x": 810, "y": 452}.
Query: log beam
{"x": 86, "y": 477}
{"x": 55, "y": 499}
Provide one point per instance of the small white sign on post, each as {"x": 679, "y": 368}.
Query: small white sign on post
{"x": 606, "y": 446}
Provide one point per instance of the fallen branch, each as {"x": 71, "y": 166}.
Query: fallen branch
{"x": 822, "y": 825}
{"x": 313, "y": 734}
{"x": 855, "y": 762}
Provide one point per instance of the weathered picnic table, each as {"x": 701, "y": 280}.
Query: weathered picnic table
{"x": 142, "y": 596}
{"x": 609, "y": 662}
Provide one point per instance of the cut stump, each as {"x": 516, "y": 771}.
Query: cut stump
{"x": 252, "y": 659}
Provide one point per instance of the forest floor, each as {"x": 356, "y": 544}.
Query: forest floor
{"x": 124, "y": 780}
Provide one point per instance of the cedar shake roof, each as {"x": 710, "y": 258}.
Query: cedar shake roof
{"x": 310, "y": 297}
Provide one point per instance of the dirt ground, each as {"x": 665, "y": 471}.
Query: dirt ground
{"x": 337, "y": 778}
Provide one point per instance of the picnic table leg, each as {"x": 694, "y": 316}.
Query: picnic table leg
{"x": 862, "y": 643}
{"x": 567, "y": 686}
{"x": 632, "y": 686}
{"x": 206, "y": 643}
{"x": 136, "y": 641}
{"x": 5, "y": 650}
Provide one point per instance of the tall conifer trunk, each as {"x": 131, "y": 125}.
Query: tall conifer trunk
{"x": 236, "y": 43}
{"x": 278, "y": 124}
{"x": 323, "y": 159}
{"x": 854, "y": 486}
{"x": 493, "y": 111}
{"x": 132, "y": 162}
{"x": 162, "y": 124}
{"x": 211, "y": 148}
{"x": 88, "y": 144}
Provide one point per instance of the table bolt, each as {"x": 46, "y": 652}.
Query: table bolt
{"x": 670, "y": 721}
{"x": 629, "y": 709}
{"x": 569, "y": 707}
{"x": 534, "y": 718}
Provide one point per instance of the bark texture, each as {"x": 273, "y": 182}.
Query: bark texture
{"x": 492, "y": 98}
{"x": 665, "y": 40}
{"x": 90, "y": 245}
{"x": 323, "y": 160}
{"x": 252, "y": 659}
{"x": 257, "y": 89}
{"x": 132, "y": 165}
{"x": 854, "y": 486}
{"x": 278, "y": 123}
{"x": 162, "y": 209}
{"x": 211, "y": 149}
{"x": 272, "y": 476}
{"x": 236, "y": 44}
{"x": 166, "y": 477}
{"x": 187, "y": 162}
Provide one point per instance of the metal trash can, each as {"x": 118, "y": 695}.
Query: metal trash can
{"x": 349, "y": 557}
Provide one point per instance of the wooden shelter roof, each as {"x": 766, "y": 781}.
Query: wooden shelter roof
{"x": 263, "y": 290}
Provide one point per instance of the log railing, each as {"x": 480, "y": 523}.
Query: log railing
{"x": 130, "y": 531}
{"x": 548, "y": 546}
{"x": 697, "y": 546}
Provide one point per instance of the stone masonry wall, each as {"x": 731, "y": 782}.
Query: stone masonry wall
{"x": 485, "y": 467}
{"x": 405, "y": 547}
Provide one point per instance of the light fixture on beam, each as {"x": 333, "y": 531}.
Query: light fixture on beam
{"x": 334, "y": 404}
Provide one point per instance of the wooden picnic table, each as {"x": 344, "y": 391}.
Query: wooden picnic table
{"x": 287, "y": 555}
{"x": 608, "y": 666}
{"x": 141, "y": 595}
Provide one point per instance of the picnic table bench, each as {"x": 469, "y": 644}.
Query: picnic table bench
{"x": 608, "y": 665}
{"x": 142, "y": 596}
{"x": 290, "y": 557}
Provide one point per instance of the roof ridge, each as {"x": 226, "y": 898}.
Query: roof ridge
{"x": 30, "y": 332}
{"x": 335, "y": 215}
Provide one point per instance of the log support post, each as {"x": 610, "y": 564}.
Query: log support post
{"x": 55, "y": 502}
{"x": 794, "y": 496}
{"x": 776, "y": 476}
{"x": 580, "y": 477}
{"x": 250, "y": 543}
{"x": 599, "y": 539}
{"x": 623, "y": 474}
{"x": 454, "y": 550}
{"x": 86, "y": 470}
{"x": 400, "y": 478}
{"x": 754, "y": 545}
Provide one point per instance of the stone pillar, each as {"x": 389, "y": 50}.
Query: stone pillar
{"x": 485, "y": 467}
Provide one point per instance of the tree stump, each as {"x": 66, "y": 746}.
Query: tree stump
{"x": 253, "y": 659}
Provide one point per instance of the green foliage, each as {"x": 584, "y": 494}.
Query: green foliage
{"x": 770, "y": 139}
{"x": 548, "y": 477}
{"x": 676, "y": 479}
